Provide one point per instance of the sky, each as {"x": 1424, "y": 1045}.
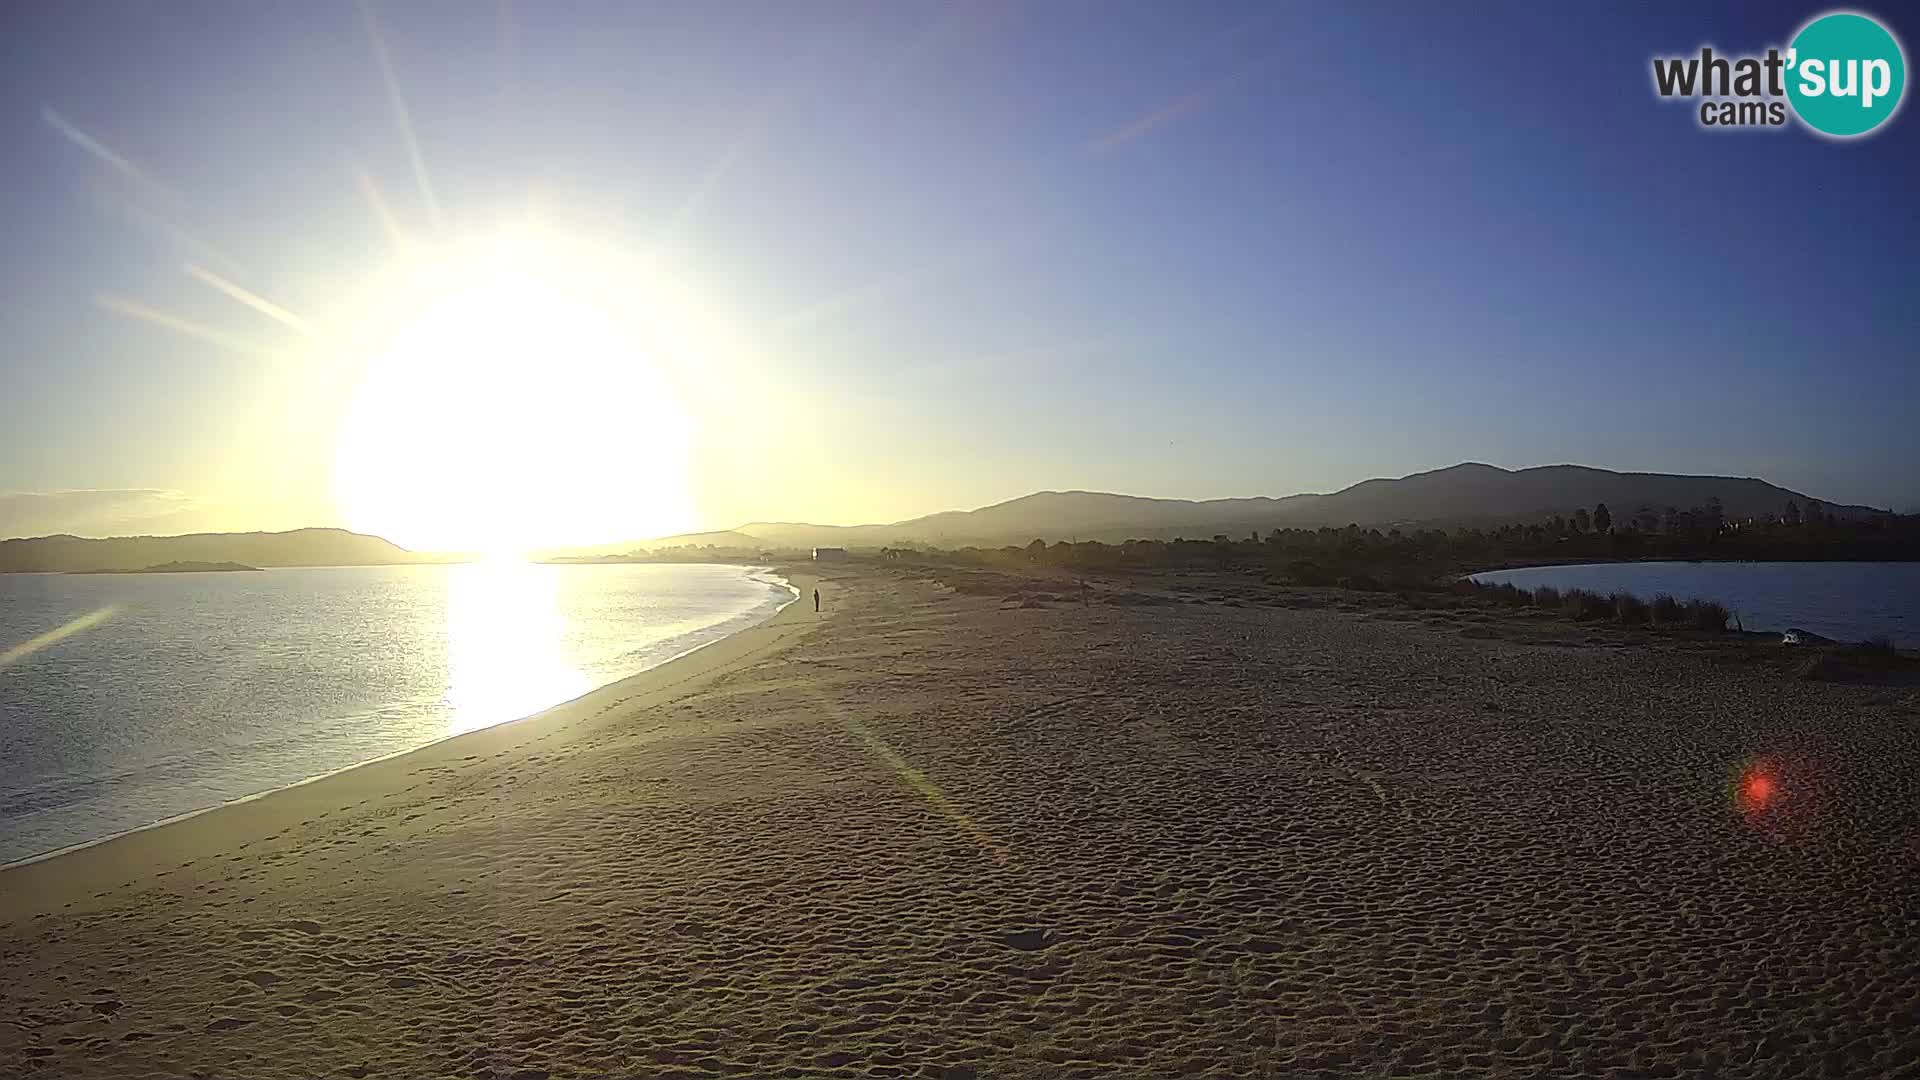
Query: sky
{"x": 917, "y": 257}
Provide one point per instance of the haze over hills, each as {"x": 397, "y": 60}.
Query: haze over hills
{"x": 1469, "y": 494}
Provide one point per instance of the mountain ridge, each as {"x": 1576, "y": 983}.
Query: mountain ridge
{"x": 1466, "y": 494}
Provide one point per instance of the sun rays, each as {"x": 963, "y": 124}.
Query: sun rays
{"x": 133, "y": 309}
{"x": 253, "y": 300}
{"x": 403, "y": 212}
{"x": 402, "y": 116}
{"x": 222, "y": 281}
{"x": 218, "y": 271}
{"x": 500, "y": 402}
{"x": 381, "y": 210}
{"x": 146, "y": 183}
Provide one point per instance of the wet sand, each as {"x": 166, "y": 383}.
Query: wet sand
{"x": 932, "y": 834}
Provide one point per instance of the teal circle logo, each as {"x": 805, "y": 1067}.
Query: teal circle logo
{"x": 1845, "y": 74}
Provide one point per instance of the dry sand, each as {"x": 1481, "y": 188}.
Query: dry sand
{"x": 926, "y": 834}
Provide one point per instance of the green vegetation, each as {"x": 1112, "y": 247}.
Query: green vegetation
{"x": 1423, "y": 568}
{"x": 1420, "y": 558}
{"x": 1432, "y": 561}
{"x": 1624, "y": 608}
{"x": 1630, "y": 609}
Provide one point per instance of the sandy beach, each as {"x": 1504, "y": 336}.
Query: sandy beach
{"x": 931, "y": 833}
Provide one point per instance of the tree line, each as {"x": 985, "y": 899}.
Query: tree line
{"x": 1328, "y": 556}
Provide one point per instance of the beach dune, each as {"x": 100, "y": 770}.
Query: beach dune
{"x": 932, "y": 834}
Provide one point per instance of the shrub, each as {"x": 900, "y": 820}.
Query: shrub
{"x": 1583, "y": 605}
{"x": 1629, "y": 609}
{"x": 1546, "y": 596}
{"x": 1667, "y": 611}
{"x": 1510, "y": 594}
{"x": 1706, "y": 615}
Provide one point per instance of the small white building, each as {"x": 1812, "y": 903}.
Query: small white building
{"x": 821, "y": 554}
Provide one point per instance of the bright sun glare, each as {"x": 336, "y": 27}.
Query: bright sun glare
{"x": 506, "y": 412}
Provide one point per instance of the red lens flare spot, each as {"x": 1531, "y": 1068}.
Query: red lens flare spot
{"x": 1758, "y": 789}
{"x": 1776, "y": 796}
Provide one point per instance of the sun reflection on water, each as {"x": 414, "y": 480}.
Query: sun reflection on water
{"x": 506, "y": 644}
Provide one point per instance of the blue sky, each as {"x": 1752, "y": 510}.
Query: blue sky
{"x": 1186, "y": 250}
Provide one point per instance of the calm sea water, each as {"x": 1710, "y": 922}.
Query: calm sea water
{"x": 1847, "y": 601}
{"x": 181, "y": 691}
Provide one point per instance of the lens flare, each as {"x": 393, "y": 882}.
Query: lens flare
{"x": 57, "y": 634}
{"x": 930, "y": 791}
{"x": 1772, "y": 794}
{"x": 1757, "y": 787}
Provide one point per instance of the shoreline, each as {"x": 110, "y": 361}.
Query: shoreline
{"x": 53, "y": 853}
{"x": 130, "y": 849}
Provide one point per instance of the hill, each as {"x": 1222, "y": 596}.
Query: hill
{"x": 1476, "y": 494}
{"x": 301, "y": 547}
{"x": 1470, "y": 494}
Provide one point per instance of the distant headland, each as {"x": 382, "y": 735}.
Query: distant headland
{"x": 179, "y": 568}
{"x": 143, "y": 554}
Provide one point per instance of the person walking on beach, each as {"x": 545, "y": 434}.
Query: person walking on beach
{"x": 816, "y": 600}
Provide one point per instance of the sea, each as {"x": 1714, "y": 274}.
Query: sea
{"x": 127, "y": 699}
{"x": 1846, "y": 601}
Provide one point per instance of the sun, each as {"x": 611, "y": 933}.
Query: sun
{"x": 507, "y": 411}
